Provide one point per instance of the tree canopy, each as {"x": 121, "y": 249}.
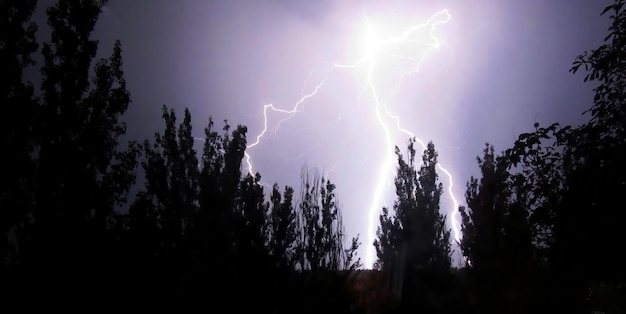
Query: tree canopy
{"x": 114, "y": 220}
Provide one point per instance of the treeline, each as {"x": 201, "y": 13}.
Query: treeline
{"x": 543, "y": 225}
{"x": 198, "y": 225}
{"x": 541, "y": 229}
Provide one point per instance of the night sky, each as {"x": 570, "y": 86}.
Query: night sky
{"x": 500, "y": 67}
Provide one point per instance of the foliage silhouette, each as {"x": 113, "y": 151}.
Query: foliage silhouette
{"x": 72, "y": 173}
{"x": 320, "y": 243}
{"x": 541, "y": 229}
{"x": 414, "y": 243}
{"x": 497, "y": 237}
{"x": 16, "y": 126}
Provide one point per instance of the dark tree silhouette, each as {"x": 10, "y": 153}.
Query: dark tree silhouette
{"x": 250, "y": 212}
{"x": 574, "y": 176}
{"x": 496, "y": 232}
{"x": 16, "y": 126}
{"x": 542, "y": 226}
{"x": 594, "y": 164}
{"x": 161, "y": 216}
{"x": 251, "y": 255}
{"x": 81, "y": 175}
{"x": 220, "y": 176}
{"x": 320, "y": 244}
{"x": 413, "y": 243}
{"x": 587, "y": 227}
{"x": 482, "y": 221}
{"x": 496, "y": 237}
{"x": 282, "y": 231}
{"x": 418, "y": 224}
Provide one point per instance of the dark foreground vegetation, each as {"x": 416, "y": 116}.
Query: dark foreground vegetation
{"x": 543, "y": 227}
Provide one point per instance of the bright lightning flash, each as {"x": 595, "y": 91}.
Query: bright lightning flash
{"x": 413, "y": 45}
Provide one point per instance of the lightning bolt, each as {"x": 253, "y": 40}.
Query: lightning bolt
{"x": 375, "y": 50}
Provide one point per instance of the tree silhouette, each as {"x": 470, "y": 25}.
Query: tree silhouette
{"x": 320, "y": 244}
{"x": 388, "y": 236}
{"x": 251, "y": 256}
{"x": 220, "y": 175}
{"x": 413, "y": 243}
{"x": 417, "y": 219}
{"x": 81, "y": 175}
{"x": 496, "y": 235}
{"x": 282, "y": 231}
{"x": 542, "y": 225}
{"x": 251, "y": 211}
{"x": 595, "y": 169}
{"x": 573, "y": 176}
{"x": 160, "y": 218}
{"x": 16, "y": 126}
{"x": 482, "y": 220}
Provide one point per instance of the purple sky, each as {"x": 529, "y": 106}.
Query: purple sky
{"x": 501, "y": 66}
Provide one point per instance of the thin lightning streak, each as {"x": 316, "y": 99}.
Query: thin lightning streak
{"x": 388, "y": 164}
{"x": 456, "y": 225}
{"x": 290, "y": 112}
{"x": 375, "y": 46}
{"x": 313, "y": 70}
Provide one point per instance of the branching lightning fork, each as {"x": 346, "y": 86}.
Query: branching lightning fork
{"x": 375, "y": 52}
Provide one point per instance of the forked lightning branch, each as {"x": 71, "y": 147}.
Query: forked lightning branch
{"x": 412, "y": 45}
